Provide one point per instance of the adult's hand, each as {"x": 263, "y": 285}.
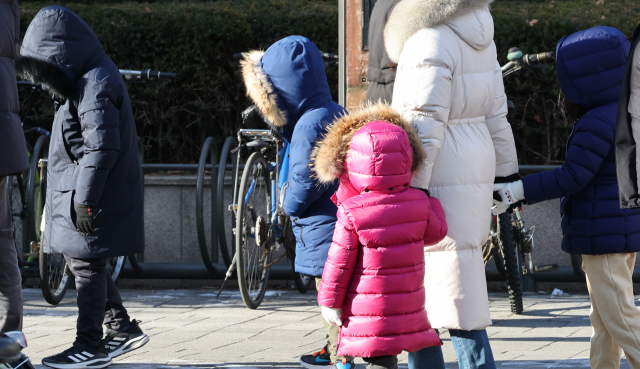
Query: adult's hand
{"x": 84, "y": 219}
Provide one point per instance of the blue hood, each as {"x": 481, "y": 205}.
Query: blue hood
{"x": 57, "y": 36}
{"x": 591, "y": 65}
{"x": 286, "y": 81}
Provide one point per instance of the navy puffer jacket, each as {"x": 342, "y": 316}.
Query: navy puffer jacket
{"x": 93, "y": 155}
{"x": 591, "y": 66}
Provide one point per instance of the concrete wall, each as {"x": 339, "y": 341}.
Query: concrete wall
{"x": 171, "y": 234}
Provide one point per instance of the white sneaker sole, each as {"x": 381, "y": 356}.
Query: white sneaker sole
{"x": 97, "y": 363}
{"x": 134, "y": 344}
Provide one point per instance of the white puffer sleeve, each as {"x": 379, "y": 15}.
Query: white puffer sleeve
{"x": 422, "y": 93}
{"x": 500, "y": 130}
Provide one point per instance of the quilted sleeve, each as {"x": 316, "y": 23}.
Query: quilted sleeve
{"x": 591, "y": 143}
{"x": 304, "y": 189}
{"x": 340, "y": 263}
{"x": 100, "y": 122}
{"x": 422, "y": 94}
{"x": 437, "y": 225}
{"x": 500, "y": 130}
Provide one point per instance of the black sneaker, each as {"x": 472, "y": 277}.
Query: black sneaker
{"x": 80, "y": 356}
{"x": 119, "y": 343}
{"x": 317, "y": 360}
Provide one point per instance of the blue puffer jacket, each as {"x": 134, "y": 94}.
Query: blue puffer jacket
{"x": 288, "y": 84}
{"x": 591, "y": 66}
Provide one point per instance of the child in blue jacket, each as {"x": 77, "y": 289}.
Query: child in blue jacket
{"x": 288, "y": 84}
{"x": 591, "y": 66}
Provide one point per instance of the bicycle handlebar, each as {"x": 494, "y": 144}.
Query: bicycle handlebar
{"x": 531, "y": 59}
{"x": 38, "y": 130}
{"x": 147, "y": 75}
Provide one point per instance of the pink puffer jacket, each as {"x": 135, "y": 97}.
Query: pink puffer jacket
{"x": 375, "y": 268}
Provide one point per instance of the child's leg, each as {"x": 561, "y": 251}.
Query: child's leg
{"x": 332, "y": 335}
{"x": 613, "y": 309}
{"x": 473, "y": 349}
{"x": 381, "y": 362}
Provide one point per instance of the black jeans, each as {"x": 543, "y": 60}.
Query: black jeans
{"x": 99, "y": 301}
{"x": 381, "y": 362}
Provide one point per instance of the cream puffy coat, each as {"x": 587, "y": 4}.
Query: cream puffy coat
{"x": 449, "y": 86}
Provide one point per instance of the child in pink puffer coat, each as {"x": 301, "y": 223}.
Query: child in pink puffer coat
{"x": 373, "y": 280}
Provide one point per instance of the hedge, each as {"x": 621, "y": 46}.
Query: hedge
{"x": 197, "y": 39}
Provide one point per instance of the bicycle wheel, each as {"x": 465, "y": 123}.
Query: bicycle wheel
{"x": 54, "y": 275}
{"x": 208, "y": 248}
{"x": 511, "y": 262}
{"x": 253, "y": 242}
{"x": 227, "y": 249}
{"x": 115, "y": 265}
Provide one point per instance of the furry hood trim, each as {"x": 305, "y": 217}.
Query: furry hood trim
{"x": 328, "y": 156}
{"x": 261, "y": 90}
{"x": 410, "y": 16}
{"x": 40, "y": 72}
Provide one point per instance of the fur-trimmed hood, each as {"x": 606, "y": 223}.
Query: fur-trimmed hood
{"x": 331, "y": 156}
{"x": 286, "y": 81}
{"x": 410, "y": 16}
{"x": 58, "y": 48}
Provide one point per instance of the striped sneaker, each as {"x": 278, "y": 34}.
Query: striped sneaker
{"x": 79, "y": 356}
{"x": 121, "y": 342}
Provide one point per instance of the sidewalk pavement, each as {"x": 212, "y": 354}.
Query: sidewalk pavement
{"x": 191, "y": 329}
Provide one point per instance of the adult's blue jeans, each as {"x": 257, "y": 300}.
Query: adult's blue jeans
{"x": 472, "y": 348}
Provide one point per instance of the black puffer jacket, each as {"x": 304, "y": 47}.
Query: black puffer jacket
{"x": 93, "y": 157}
{"x": 380, "y": 75}
{"x": 13, "y": 150}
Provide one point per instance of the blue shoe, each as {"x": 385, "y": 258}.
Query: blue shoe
{"x": 344, "y": 364}
{"x": 317, "y": 360}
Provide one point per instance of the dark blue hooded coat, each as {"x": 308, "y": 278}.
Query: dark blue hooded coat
{"x": 93, "y": 158}
{"x": 288, "y": 83}
{"x": 591, "y": 66}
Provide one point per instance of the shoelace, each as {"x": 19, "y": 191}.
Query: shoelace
{"x": 321, "y": 352}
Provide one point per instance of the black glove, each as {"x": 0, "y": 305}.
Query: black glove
{"x": 84, "y": 219}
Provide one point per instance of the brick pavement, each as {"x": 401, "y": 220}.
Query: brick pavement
{"x": 191, "y": 329}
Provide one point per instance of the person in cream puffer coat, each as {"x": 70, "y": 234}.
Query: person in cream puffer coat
{"x": 449, "y": 86}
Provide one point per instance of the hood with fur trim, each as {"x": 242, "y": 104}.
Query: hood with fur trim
{"x": 57, "y": 49}
{"x": 410, "y": 16}
{"x": 380, "y": 146}
{"x": 286, "y": 81}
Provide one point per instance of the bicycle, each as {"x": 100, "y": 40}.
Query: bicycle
{"x": 27, "y": 193}
{"x": 510, "y": 243}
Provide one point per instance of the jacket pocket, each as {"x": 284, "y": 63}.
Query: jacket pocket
{"x": 62, "y": 211}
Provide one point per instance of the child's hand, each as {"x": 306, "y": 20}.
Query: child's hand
{"x": 331, "y": 315}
